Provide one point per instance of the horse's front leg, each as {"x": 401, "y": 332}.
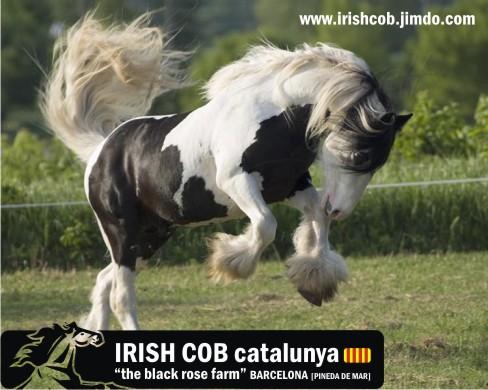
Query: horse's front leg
{"x": 315, "y": 269}
{"x": 232, "y": 256}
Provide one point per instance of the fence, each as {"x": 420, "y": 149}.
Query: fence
{"x": 421, "y": 217}
{"x": 372, "y": 186}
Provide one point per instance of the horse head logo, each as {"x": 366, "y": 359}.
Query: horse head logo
{"x": 51, "y": 357}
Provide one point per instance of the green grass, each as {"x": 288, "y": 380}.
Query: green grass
{"x": 431, "y": 308}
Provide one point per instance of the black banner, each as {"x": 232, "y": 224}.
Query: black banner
{"x": 71, "y": 357}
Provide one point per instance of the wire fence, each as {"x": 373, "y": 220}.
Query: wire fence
{"x": 430, "y": 183}
{"x": 47, "y": 204}
{"x": 426, "y": 183}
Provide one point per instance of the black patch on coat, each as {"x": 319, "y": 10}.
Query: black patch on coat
{"x": 304, "y": 182}
{"x": 132, "y": 185}
{"x": 169, "y": 180}
{"x": 281, "y": 154}
{"x": 199, "y": 203}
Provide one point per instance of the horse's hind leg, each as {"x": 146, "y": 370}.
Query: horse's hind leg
{"x": 99, "y": 316}
{"x": 236, "y": 256}
{"x": 315, "y": 269}
{"x": 123, "y": 234}
{"x": 115, "y": 288}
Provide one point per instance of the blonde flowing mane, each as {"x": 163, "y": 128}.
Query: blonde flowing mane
{"x": 352, "y": 82}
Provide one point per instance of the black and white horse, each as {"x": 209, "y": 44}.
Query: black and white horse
{"x": 268, "y": 117}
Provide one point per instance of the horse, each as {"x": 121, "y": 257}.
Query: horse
{"x": 267, "y": 118}
{"x": 49, "y": 359}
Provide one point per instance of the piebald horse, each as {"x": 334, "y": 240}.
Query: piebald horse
{"x": 267, "y": 118}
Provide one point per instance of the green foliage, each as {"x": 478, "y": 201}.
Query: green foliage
{"x": 217, "y": 18}
{"x": 25, "y": 35}
{"x": 279, "y": 18}
{"x": 43, "y": 170}
{"x": 450, "y": 61}
{"x": 433, "y": 130}
{"x": 479, "y": 132}
{"x": 441, "y": 131}
{"x": 24, "y": 30}
{"x": 76, "y": 239}
{"x": 56, "y": 237}
{"x": 29, "y": 158}
{"x": 445, "y": 218}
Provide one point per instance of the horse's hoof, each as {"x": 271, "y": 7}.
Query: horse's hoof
{"x": 313, "y": 298}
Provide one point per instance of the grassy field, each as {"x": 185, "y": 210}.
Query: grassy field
{"x": 431, "y": 308}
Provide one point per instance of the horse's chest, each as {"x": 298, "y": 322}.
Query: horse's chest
{"x": 280, "y": 156}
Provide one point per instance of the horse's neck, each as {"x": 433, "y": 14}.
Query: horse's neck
{"x": 62, "y": 353}
{"x": 299, "y": 89}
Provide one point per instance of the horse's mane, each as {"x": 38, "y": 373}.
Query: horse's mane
{"x": 43, "y": 342}
{"x": 352, "y": 81}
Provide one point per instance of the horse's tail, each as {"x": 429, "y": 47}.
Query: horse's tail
{"x": 103, "y": 76}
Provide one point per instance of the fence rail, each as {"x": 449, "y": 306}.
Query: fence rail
{"x": 47, "y": 204}
{"x": 426, "y": 183}
{"x": 430, "y": 183}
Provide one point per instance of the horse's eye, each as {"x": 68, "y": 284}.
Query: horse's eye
{"x": 359, "y": 158}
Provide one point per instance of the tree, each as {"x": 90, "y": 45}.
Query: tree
{"x": 450, "y": 61}
{"x": 281, "y": 18}
{"x": 25, "y": 35}
{"x": 434, "y": 130}
{"x": 479, "y": 133}
{"x": 219, "y": 17}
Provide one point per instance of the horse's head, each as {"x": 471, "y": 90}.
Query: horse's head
{"x": 359, "y": 142}
{"x": 81, "y": 337}
{"x": 44, "y": 341}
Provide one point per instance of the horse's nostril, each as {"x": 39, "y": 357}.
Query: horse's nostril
{"x": 335, "y": 213}
{"x": 328, "y": 207}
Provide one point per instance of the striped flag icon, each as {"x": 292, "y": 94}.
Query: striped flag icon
{"x": 357, "y": 355}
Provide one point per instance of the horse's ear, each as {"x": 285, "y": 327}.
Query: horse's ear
{"x": 400, "y": 121}
{"x": 388, "y": 119}
{"x": 21, "y": 362}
